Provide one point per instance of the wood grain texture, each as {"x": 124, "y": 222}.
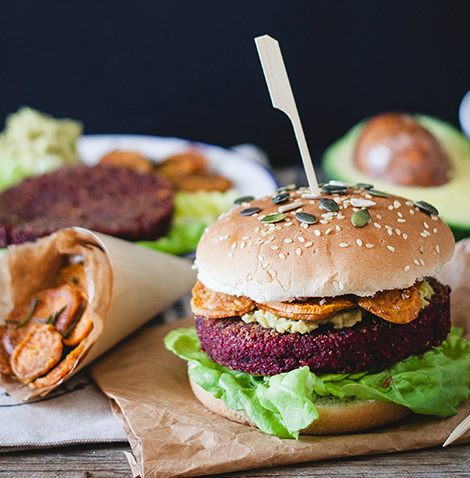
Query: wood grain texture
{"x": 98, "y": 461}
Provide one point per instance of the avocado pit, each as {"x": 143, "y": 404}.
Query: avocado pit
{"x": 396, "y": 148}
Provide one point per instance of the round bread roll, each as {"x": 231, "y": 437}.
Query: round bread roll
{"x": 401, "y": 243}
{"x": 336, "y": 416}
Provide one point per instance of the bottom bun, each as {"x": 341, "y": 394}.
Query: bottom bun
{"x": 336, "y": 416}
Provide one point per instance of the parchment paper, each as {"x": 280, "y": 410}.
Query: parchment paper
{"x": 172, "y": 434}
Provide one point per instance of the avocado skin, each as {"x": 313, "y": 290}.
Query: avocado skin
{"x": 452, "y": 199}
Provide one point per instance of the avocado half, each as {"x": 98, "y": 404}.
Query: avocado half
{"x": 451, "y": 199}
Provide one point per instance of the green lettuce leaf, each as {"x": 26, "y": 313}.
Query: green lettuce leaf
{"x": 433, "y": 384}
{"x": 194, "y": 211}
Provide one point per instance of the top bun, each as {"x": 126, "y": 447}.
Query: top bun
{"x": 281, "y": 261}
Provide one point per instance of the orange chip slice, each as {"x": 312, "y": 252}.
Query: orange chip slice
{"x": 127, "y": 159}
{"x": 37, "y": 353}
{"x": 61, "y": 369}
{"x": 74, "y": 276}
{"x": 312, "y": 309}
{"x": 4, "y": 357}
{"x": 399, "y": 306}
{"x": 216, "y": 305}
{"x": 80, "y": 331}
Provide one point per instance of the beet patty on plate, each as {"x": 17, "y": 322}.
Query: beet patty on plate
{"x": 114, "y": 201}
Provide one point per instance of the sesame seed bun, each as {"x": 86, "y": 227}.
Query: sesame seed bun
{"x": 241, "y": 255}
{"x": 336, "y": 416}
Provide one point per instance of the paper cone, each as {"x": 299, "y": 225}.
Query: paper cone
{"x": 127, "y": 285}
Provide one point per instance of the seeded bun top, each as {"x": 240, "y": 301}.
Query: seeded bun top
{"x": 402, "y": 242}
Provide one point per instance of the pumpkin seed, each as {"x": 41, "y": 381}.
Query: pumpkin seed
{"x": 274, "y": 217}
{"x": 329, "y": 205}
{"x": 380, "y": 194}
{"x": 364, "y": 186}
{"x": 426, "y": 207}
{"x": 360, "y": 218}
{"x": 289, "y": 187}
{"x": 249, "y": 211}
{"x": 334, "y": 189}
{"x": 243, "y": 199}
{"x": 306, "y": 217}
{"x": 280, "y": 198}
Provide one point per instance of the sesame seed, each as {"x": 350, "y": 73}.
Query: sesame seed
{"x": 435, "y": 230}
{"x": 412, "y": 211}
{"x": 264, "y": 265}
{"x": 421, "y": 262}
{"x": 379, "y": 216}
{"x": 308, "y": 244}
{"x": 289, "y": 207}
{"x": 230, "y": 254}
{"x": 323, "y": 221}
{"x": 260, "y": 258}
{"x": 390, "y": 207}
{"x": 288, "y": 240}
{"x": 328, "y": 230}
{"x": 388, "y": 228}
{"x": 401, "y": 220}
{"x": 409, "y": 203}
{"x": 406, "y": 268}
{"x": 233, "y": 246}
{"x": 245, "y": 238}
{"x": 317, "y": 232}
{"x": 256, "y": 228}
{"x": 391, "y": 248}
{"x": 274, "y": 248}
{"x": 340, "y": 216}
{"x": 438, "y": 249}
{"x": 358, "y": 242}
{"x": 423, "y": 234}
{"x": 404, "y": 235}
{"x": 298, "y": 251}
{"x": 338, "y": 228}
{"x": 282, "y": 256}
{"x": 396, "y": 204}
{"x": 304, "y": 225}
{"x": 390, "y": 232}
{"x": 421, "y": 249}
{"x": 426, "y": 225}
{"x": 272, "y": 273}
{"x": 301, "y": 239}
{"x": 287, "y": 224}
{"x": 434, "y": 217}
{"x": 341, "y": 285}
{"x": 398, "y": 231}
{"x": 311, "y": 196}
{"x": 343, "y": 244}
{"x": 359, "y": 202}
{"x": 416, "y": 262}
{"x": 369, "y": 246}
{"x": 377, "y": 225}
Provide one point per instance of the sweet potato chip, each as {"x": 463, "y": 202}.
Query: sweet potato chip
{"x": 187, "y": 162}
{"x": 61, "y": 369}
{"x": 4, "y": 357}
{"x": 127, "y": 159}
{"x": 216, "y": 305}
{"x": 73, "y": 275}
{"x": 399, "y": 306}
{"x": 63, "y": 301}
{"x": 197, "y": 181}
{"x": 311, "y": 309}
{"x": 37, "y": 353}
{"x": 80, "y": 330}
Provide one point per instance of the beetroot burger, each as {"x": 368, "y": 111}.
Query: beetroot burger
{"x": 320, "y": 315}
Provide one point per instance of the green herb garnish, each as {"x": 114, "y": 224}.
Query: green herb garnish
{"x": 34, "y": 303}
{"x": 75, "y": 320}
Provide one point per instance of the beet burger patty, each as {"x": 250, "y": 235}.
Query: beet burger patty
{"x": 115, "y": 201}
{"x": 326, "y": 309}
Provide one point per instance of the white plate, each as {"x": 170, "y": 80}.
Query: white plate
{"x": 248, "y": 176}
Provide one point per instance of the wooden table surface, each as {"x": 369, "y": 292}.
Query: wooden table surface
{"x": 108, "y": 461}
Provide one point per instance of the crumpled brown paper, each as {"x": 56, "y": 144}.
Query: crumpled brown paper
{"x": 172, "y": 434}
{"x": 127, "y": 285}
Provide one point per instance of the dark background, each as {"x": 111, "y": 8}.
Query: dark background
{"x": 190, "y": 68}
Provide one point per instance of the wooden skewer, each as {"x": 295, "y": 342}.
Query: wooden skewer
{"x": 460, "y": 429}
{"x": 283, "y": 99}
